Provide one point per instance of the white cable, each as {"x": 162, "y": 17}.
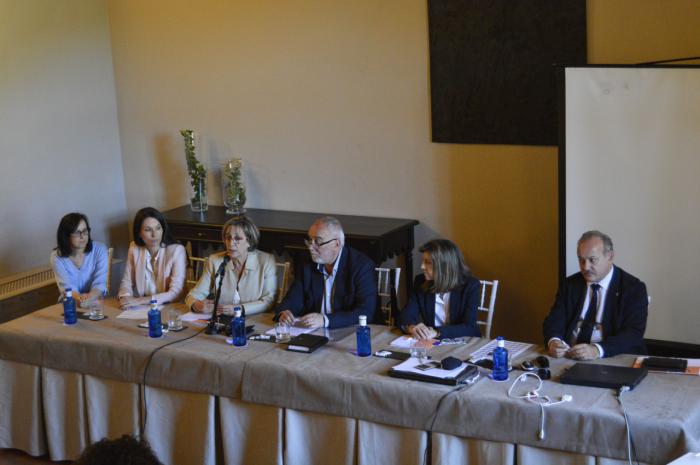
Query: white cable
{"x": 535, "y": 397}
{"x": 541, "y": 435}
{"x": 624, "y": 389}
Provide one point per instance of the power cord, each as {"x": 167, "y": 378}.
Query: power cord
{"x": 630, "y": 442}
{"x": 534, "y": 396}
{"x": 437, "y": 412}
{"x": 145, "y": 374}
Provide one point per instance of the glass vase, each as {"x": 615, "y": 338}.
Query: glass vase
{"x": 197, "y": 172}
{"x": 233, "y": 187}
{"x": 198, "y": 191}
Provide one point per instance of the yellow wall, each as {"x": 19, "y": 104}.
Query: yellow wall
{"x": 328, "y": 103}
{"x": 59, "y": 140}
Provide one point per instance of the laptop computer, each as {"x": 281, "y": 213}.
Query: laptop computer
{"x": 603, "y": 376}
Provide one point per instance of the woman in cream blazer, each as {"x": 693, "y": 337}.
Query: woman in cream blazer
{"x": 156, "y": 264}
{"x": 250, "y": 276}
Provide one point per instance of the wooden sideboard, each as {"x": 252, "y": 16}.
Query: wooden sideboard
{"x": 285, "y": 231}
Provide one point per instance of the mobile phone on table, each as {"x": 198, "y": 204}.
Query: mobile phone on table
{"x": 484, "y": 363}
{"x": 427, "y": 366}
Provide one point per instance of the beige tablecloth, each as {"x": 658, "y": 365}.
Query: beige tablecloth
{"x": 354, "y": 393}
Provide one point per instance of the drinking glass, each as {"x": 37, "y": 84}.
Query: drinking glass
{"x": 97, "y": 305}
{"x": 419, "y": 351}
{"x": 282, "y": 332}
{"x": 174, "y": 320}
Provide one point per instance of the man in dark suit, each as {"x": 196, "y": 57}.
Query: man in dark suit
{"x": 600, "y": 311}
{"x": 334, "y": 290}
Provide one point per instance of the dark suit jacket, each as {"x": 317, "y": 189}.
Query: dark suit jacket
{"x": 624, "y": 317}
{"x": 355, "y": 290}
{"x": 464, "y": 301}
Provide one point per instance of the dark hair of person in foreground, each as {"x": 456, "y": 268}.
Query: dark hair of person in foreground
{"x": 127, "y": 450}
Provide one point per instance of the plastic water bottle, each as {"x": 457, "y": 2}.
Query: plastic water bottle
{"x": 70, "y": 315}
{"x": 155, "y": 328}
{"x": 500, "y": 361}
{"x": 364, "y": 338}
{"x": 238, "y": 328}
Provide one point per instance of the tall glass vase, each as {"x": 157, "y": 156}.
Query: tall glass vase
{"x": 198, "y": 191}
{"x": 233, "y": 187}
{"x": 197, "y": 172}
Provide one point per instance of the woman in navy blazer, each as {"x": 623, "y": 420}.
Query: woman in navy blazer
{"x": 448, "y": 282}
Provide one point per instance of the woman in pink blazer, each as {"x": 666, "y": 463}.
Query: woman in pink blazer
{"x": 156, "y": 264}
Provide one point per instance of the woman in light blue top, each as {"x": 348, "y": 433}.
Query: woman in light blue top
{"x": 78, "y": 262}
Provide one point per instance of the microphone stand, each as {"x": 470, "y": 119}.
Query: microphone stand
{"x": 213, "y": 325}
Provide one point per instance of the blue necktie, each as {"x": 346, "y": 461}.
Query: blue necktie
{"x": 584, "y": 334}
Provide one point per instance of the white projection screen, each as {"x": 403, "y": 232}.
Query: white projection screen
{"x": 630, "y": 155}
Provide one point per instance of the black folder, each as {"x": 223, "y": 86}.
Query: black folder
{"x": 678, "y": 365}
{"x": 306, "y": 343}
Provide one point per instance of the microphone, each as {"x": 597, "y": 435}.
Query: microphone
{"x": 213, "y": 326}
{"x": 222, "y": 268}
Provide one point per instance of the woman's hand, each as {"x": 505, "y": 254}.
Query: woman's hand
{"x": 81, "y": 299}
{"x": 421, "y": 331}
{"x": 202, "y": 306}
{"x": 126, "y": 301}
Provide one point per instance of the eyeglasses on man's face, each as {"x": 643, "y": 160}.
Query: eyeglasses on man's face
{"x": 80, "y": 233}
{"x": 317, "y": 242}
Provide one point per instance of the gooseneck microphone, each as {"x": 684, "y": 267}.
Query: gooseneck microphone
{"x": 222, "y": 268}
{"x": 213, "y": 325}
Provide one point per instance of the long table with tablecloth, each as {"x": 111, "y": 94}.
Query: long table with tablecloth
{"x": 204, "y": 401}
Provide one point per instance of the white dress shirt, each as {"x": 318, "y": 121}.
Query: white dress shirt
{"x": 442, "y": 309}
{"x": 328, "y": 285}
{"x": 597, "y": 334}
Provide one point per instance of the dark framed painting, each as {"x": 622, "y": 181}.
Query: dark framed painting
{"x": 492, "y": 67}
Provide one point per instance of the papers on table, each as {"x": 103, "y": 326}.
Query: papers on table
{"x": 514, "y": 349}
{"x": 134, "y": 314}
{"x": 406, "y": 342}
{"x": 191, "y": 316}
{"x": 137, "y": 312}
{"x": 293, "y": 331}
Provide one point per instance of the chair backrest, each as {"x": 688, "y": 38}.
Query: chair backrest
{"x": 388, "y": 280}
{"x": 488, "y": 296}
{"x": 282, "y": 279}
{"x": 110, "y": 254}
{"x": 195, "y": 271}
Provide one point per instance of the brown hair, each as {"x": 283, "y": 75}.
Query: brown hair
{"x": 449, "y": 269}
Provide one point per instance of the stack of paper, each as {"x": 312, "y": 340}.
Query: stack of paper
{"x": 514, "y": 349}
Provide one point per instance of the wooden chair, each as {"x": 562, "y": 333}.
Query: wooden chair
{"x": 282, "y": 279}
{"x": 488, "y": 294}
{"x": 195, "y": 271}
{"x": 110, "y": 255}
{"x": 388, "y": 280}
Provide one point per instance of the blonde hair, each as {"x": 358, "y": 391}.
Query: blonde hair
{"x": 449, "y": 269}
{"x": 252, "y": 234}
